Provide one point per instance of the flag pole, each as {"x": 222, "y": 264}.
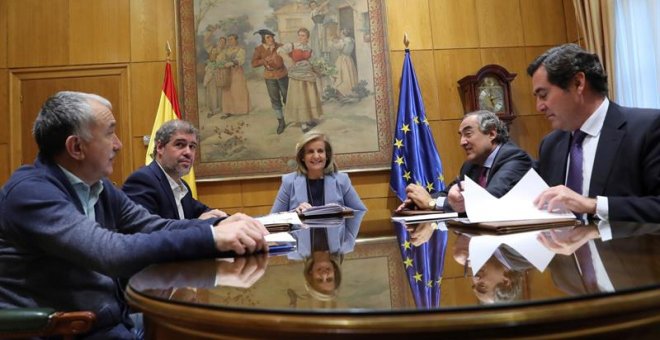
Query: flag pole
{"x": 168, "y": 50}
{"x": 406, "y": 42}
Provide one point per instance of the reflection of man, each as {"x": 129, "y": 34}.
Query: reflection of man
{"x": 159, "y": 186}
{"x": 67, "y": 234}
{"x": 275, "y": 74}
{"x": 501, "y": 277}
{"x": 608, "y": 156}
{"x": 492, "y": 161}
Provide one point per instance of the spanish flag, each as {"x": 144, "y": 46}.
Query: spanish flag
{"x": 168, "y": 109}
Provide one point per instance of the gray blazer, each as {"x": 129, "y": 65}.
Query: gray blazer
{"x": 338, "y": 189}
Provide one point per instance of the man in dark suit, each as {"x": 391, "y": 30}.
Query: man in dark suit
{"x": 67, "y": 234}
{"x": 159, "y": 186}
{"x": 616, "y": 172}
{"x": 492, "y": 161}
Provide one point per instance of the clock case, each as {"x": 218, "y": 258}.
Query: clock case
{"x": 469, "y": 90}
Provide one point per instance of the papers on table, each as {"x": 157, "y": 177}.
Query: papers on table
{"x": 326, "y": 210}
{"x": 517, "y": 204}
{"x": 481, "y": 248}
{"x": 279, "y": 218}
{"x": 283, "y": 237}
{"x": 425, "y": 217}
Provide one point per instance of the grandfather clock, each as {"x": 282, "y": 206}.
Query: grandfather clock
{"x": 489, "y": 89}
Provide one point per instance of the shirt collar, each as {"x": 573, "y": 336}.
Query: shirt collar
{"x": 491, "y": 158}
{"x": 594, "y": 123}
{"x": 76, "y": 182}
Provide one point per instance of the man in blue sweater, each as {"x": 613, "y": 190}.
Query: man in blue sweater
{"x": 67, "y": 234}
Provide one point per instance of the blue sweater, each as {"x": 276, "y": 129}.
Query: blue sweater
{"x": 52, "y": 255}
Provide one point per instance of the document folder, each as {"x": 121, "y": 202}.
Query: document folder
{"x": 508, "y": 227}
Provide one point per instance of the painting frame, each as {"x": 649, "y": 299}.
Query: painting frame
{"x": 379, "y": 109}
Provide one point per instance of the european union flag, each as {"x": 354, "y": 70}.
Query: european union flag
{"x": 414, "y": 156}
{"x": 424, "y": 262}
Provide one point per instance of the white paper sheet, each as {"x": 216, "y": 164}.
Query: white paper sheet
{"x": 517, "y": 204}
{"x": 280, "y": 237}
{"x": 279, "y": 218}
{"x": 425, "y": 217}
{"x": 481, "y": 248}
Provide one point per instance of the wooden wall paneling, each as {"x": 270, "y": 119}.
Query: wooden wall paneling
{"x": 453, "y": 24}
{"x": 544, "y": 22}
{"x": 451, "y": 66}
{"x": 99, "y": 31}
{"x": 542, "y": 285}
{"x": 572, "y": 29}
{"x": 527, "y": 132}
{"x": 422, "y": 62}
{"x": 152, "y": 25}
{"x": 4, "y": 106}
{"x": 371, "y": 184}
{"x": 447, "y": 142}
{"x": 222, "y": 195}
{"x": 136, "y": 144}
{"x": 514, "y": 60}
{"x": 411, "y": 17}
{"x": 37, "y": 33}
{"x": 376, "y": 221}
{"x": 3, "y": 35}
{"x": 461, "y": 291}
{"x": 30, "y": 88}
{"x": 499, "y": 23}
{"x": 260, "y": 191}
{"x": 5, "y": 166}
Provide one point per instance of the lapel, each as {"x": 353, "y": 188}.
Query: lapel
{"x": 164, "y": 186}
{"x": 329, "y": 183}
{"x": 299, "y": 190}
{"x": 611, "y": 137}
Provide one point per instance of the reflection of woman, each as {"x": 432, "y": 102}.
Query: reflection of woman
{"x": 346, "y": 78}
{"x": 316, "y": 181}
{"x": 235, "y": 97}
{"x": 303, "y": 102}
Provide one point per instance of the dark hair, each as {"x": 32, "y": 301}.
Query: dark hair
{"x": 330, "y": 165}
{"x": 62, "y": 115}
{"x": 165, "y": 132}
{"x": 306, "y": 31}
{"x": 563, "y": 62}
{"x": 489, "y": 121}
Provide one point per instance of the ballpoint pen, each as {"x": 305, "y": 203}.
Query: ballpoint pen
{"x": 458, "y": 182}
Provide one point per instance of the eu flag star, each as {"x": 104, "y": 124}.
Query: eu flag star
{"x": 426, "y": 121}
{"x": 398, "y": 143}
{"x": 408, "y": 262}
{"x": 429, "y": 186}
{"x": 406, "y": 175}
{"x": 405, "y": 128}
{"x": 416, "y": 120}
{"x": 399, "y": 160}
{"x": 441, "y": 178}
{"x": 406, "y": 244}
{"x": 429, "y": 283}
{"x": 418, "y": 277}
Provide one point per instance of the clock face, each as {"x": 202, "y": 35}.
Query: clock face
{"x": 491, "y": 95}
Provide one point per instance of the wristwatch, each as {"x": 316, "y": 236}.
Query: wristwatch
{"x": 432, "y": 204}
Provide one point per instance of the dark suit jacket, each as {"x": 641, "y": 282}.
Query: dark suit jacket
{"x": 510, "y": 165}
{"x": 626, "y": 167}
{"x": 149, "y": 187}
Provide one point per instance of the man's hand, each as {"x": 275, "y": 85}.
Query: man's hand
{"x": 422, "y": 233}
{"x": 215, "y": 213}
{"x": 243, "y": 272}
{"x": 419, "y": 196}
{"x": 455, "y": 198}
{"x": 407, "y": 204}
{"x": 302, "y": 207}
{"x": 560, "y": 198}
{"x": 240, "y": 233}
{"x": 567, "y": 241}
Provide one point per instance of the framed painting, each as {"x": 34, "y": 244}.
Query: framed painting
{"x": 258, "y": 74}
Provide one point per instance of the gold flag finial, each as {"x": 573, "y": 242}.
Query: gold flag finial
{"x": 168, "y": 50}
{"x": 405, "y": 39}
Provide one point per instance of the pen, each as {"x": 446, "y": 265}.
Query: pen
{"x": 458, "y": 182}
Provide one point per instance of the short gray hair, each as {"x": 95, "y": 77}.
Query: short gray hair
{"x": 168, "y": 129}
{"x": 489, "y": 121}
{"x": 64, "y": 114}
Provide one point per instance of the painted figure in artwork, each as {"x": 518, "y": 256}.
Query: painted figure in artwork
{"x": 275, "y": 73}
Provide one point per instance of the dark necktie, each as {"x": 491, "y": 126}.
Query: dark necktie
{"x": 483, "y": 177}
{"x": 583, "y": 256}
{"x": 574, "y": 178}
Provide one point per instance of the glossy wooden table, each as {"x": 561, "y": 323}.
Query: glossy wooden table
{"x": 411, "y": 283}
